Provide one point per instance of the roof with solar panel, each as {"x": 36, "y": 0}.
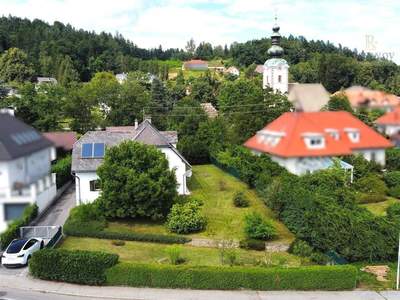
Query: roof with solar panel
{"x": 89, "y": 151}
{"x": 18, "y": 139}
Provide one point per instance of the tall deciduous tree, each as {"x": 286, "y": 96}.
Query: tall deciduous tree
{"x": 67, "y": 73}
{"x": 14, "y": 66}
{"x": 136, "y": 182}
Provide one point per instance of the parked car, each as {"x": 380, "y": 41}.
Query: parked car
{"x": 20, "y": 251}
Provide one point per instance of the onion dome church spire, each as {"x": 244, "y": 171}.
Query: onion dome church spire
{"x": 276, "y": 69}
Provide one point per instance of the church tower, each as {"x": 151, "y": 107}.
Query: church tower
{"x": 276, "y": 69}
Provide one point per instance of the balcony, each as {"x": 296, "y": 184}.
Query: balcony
{"x": 28, "y": 193}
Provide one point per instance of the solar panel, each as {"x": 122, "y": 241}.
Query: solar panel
{"x": 98, "y": 150}
{"x": 87, "y": 150}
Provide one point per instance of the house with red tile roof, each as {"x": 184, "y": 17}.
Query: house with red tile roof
{"x": 195, "y": 64}
{"x": 360, "y": 97}
{"x": 389, "y": 124}
{"x": 304, "y": 142}
{"x": 62, "y": 140}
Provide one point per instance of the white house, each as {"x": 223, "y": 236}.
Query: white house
{"x": 46, "y": 80}
{"x": 304, "y": 142}
{"x": 233, "y": 71}
{"x": 89, "y": 150}
{"x": 25, "y": 164}
{"x": 389, "y": 124}
{"x": 276, "y": 69}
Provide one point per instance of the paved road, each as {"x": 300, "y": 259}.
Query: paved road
{"x": 58, "y": 213}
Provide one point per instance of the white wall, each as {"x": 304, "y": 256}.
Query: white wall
{"x": 271, "y": 78}
{"x": 391, "y": 129}
{"x": 380, "y": 155}
{"x": 82, "y": 185}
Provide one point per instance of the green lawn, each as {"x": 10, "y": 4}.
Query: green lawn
{"x": 155, "y": 253}
{"x": 225, "y": 221}
{"x": 379, "y": 208}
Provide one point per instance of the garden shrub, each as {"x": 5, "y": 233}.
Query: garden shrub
{"x": 257, "y": 228}
{"x": 174, "y": 253}
{"x": 392, "y": 178}
{"x": 301, "y": 248}
{"x": 83, "y": 267}
{"x": 362, "y": 167}
{"x": 12, "y": 232}
{"x": 186, "y": 217}
{"x": 370, "y": 198}
{"x": 240, "y": 200}
{"x": 394, "y": 191}
{"x": 230, "y": 278}
{"x": 393, "y": 211}
{"x": 62, "y": 168}
{"x": 393, "y": 159}
{"x": 372, "y": 189}
{"x": 252, "y": 244}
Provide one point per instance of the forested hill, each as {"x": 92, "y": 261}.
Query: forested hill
{"x": 54, "y": 50}
{"x": 47, "y": 46}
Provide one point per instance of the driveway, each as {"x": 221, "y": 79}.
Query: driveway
{"x": 56, "y": 215}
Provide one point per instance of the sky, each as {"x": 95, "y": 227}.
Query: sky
{"x": 368, "y": 25}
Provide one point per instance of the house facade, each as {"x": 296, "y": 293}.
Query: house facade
{"x": 88, "y": 154}
{"x": 305, "y": 142}
{"x": 25, "y": 169}
{"x": 389, "y": 124}
{"x": 195, "y": 64}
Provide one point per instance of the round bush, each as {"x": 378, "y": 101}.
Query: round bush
{"x": 186, "y": 218}
{"x": 240, "y": 200}
{"x": 371, "y": 185}
{"x": 392, "y": 178}
{"x": 393, "y": 211}
{"x": 258, "y": 228}
{"x": 300, "y": 248}
{"x": 394, "y": 191}
{"x": 252, "y": 244}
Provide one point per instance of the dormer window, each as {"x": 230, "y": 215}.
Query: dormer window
{"x": 270, "y": 138}
{"x": 334, "y": 133}
{"x": 314, "y": 140}
{"x": 353, "y": 134}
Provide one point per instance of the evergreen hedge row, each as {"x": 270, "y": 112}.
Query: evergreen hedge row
{"x": 230, "y": 278}
{"x": 12, "y": 232}
{"x": 83, "y": 267}
{"x": 62, "y": 168}
{"x": 94, "y": 230}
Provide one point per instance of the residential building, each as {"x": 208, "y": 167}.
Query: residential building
{"x": 362, "y": 97}
{"x": 63, "y": 141}
{"x": 276, "y": 69}
{"x": 233, "y": 71}
{"x": 304, "y": 142}
{"x": 210, "y": 110}
{"x": 46, "y": 80}
{"x": 259, "y": 69}
{"x": 308, "y": 97}
{"x": 389, "y": 124}
{"x": 89, "y": 150}
{"x": 25, "y": 169}
{"x": 195, "y": 65}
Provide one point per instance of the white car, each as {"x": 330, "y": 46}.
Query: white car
{"x": 20, "y": 251}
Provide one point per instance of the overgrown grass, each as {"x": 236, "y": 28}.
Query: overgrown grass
{"x": 141, "y": 252}
{"x": 216, "y": 189}
{"x": 379, "y": 208}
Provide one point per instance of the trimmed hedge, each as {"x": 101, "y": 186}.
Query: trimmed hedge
{"x": 83, "y": 267}
{"x": 12, "y": 232}
{"x": 94, "y": 230}
{"x": 229, "y": 278}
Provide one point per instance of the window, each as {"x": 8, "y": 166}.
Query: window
{"x": 373, "y": 156}
{"x": 87, "y": 150}
{"x": 315, "y": 142}
{"x": 279, "y": 78}
{"x": 30, "y": 244}
{"x": 13, "y": 211}
{"x": 98, "y": 150}
{"x": 94, "y": 185}
{"x": 93, "y": 150}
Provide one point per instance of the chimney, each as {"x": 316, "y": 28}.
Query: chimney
{"x": 136, "y": 124}
{"x": 147, "y": 118}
